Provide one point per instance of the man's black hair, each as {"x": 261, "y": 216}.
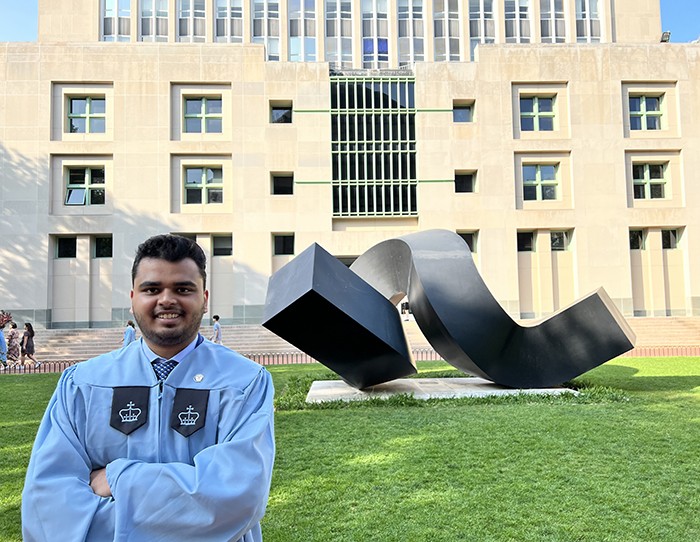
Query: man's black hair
{"x": 171, "y": 248}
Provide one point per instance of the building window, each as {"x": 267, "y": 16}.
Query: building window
{"x": 446, "y": 23}
{"x": 266, "y": 26}
{"x": 283, "y": 244}
{"x": 375, "y": 34}
{"x": 540, "y": 182}
{"x": 649, "y": 181}
{"x": 66, "y": 247}
{"x": 669, "y": 239}
{"x": 85, "y": 186}
{"x": 552, "y": 21}
{"x": 191, "y": 20}
{"x": 559, "y": 240}
{"x": 102, "y": 246}
{"x": 462, "y": 112}
{"x": 482, "y": 27}
{"x": 645, "y": 112}
{"x": 637, "y": 239}
{"x": 587, "y": 21}
{"x": 203, "y": 115}
{"x": 411, "y": 32}
{"x": 517, "y": 14}
{"x": 116, "y": 20}
{"x": 282, "y": 183}
{"x": 229, "y": 21}
{"x": 373, "y": 145}
{"x": 339, "y": 33}
{"x": 302, "y": 30}
{"x": 86, "y": 115}
{"x": 281, "y": 113}
{"x": 222, "y": 245}
{"x": 154, "y": 20}
{"x": 204, "y": 185}
{"x": 465, "y": 182}
{"x": 537, "y": 113}
{"x": 526, "y": 241}
{"x": 469, "y": 237}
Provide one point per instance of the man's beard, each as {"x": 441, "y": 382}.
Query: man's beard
{"x": 171, "y": 337}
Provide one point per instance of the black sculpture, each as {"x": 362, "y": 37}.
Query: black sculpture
{"x": 336, "y": 316}
{"x": 316, "y": 303}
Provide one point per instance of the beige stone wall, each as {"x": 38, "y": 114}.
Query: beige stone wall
{"x": 143, "y": 152}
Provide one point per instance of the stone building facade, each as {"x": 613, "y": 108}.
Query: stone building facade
{"x": 560, "y": 138}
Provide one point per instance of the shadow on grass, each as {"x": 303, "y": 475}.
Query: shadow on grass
{"x": 626, "y": 378}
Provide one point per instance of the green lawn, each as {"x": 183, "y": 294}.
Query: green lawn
{"x": 619, "y": 463}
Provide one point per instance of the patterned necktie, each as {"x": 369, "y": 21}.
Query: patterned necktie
{"x": 162, "y": 367}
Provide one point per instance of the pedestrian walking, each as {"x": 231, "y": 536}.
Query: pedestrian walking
{"x": 27, "y": 347}
{"x": 129, "y": 333}
{"x": 216, "y": 336}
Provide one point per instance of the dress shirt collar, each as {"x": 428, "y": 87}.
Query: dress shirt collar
{"x": 179, "y": 357}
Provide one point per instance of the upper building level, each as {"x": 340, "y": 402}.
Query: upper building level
{"x": 370, "y": 34}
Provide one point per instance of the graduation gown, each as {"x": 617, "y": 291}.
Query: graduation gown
{"x": 191, "y": 460}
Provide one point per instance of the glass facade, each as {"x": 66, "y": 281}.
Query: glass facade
{"x": 302, "y": 30}
{"x": 229, "y": 21}
{"x": 266, "y": 26}
{"x": 338, "y": 42}
{"x": 154, "y": 20}
{"x": 373, "y": 146}
{"x": 446, "y": 25}
{"x": 411, "y": 27}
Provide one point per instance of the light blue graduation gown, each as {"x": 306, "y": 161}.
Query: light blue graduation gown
{"x": 3, "y": 347}
{"x": 212, "y": 485}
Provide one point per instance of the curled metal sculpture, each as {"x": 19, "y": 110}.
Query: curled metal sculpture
{"x": 347, "y": 320}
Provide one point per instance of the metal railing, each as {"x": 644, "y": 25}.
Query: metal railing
{"x": 263, "y": 358}
{"x": 298, "y": 358}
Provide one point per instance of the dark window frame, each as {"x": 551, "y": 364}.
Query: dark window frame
{"x": 526, "y": 241}
{"x": 281, "y": 112}
{"x": 102, "y": 246}
{"x": 282, "y": 184}
{"x": 66, "y": 247}
{"x": 283, "y": 244}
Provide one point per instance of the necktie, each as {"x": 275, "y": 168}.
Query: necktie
{"x": 162, "y": 367}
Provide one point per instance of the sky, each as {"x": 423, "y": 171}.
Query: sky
{"x": 18, "y": 19}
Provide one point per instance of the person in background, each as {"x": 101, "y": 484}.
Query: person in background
{"x": 129, "y": 333}
{"x": 216, "y": 336}
{"x": 27, "y": 347}
{"x": 170, "y": 438}
{"x": 3, "y": 349}
{"x": 13, "y": 346}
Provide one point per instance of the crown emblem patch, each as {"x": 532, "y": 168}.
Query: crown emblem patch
{"x": 129, "y": 408}
{"x": 130, "y": 414}
{"x": 189, "y": 410}
{"x": 189, "y": 417}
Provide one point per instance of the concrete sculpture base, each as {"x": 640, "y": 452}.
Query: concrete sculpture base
{"x": 322, "y": 391}
{"x": 347, "y": 320}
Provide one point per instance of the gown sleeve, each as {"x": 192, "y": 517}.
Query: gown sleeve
{"x": 57, "y": 497}
{"x": 222, "y": 496}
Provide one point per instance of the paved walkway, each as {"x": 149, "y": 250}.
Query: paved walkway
{"x": 421, "y": 388}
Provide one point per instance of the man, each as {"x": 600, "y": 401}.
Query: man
{"x": 129, "y": 333}
{"x": 216, "y": 336}
{"x": 127, "y": 451}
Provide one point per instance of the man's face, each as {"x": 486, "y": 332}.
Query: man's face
{"x": 168, "y": 300}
